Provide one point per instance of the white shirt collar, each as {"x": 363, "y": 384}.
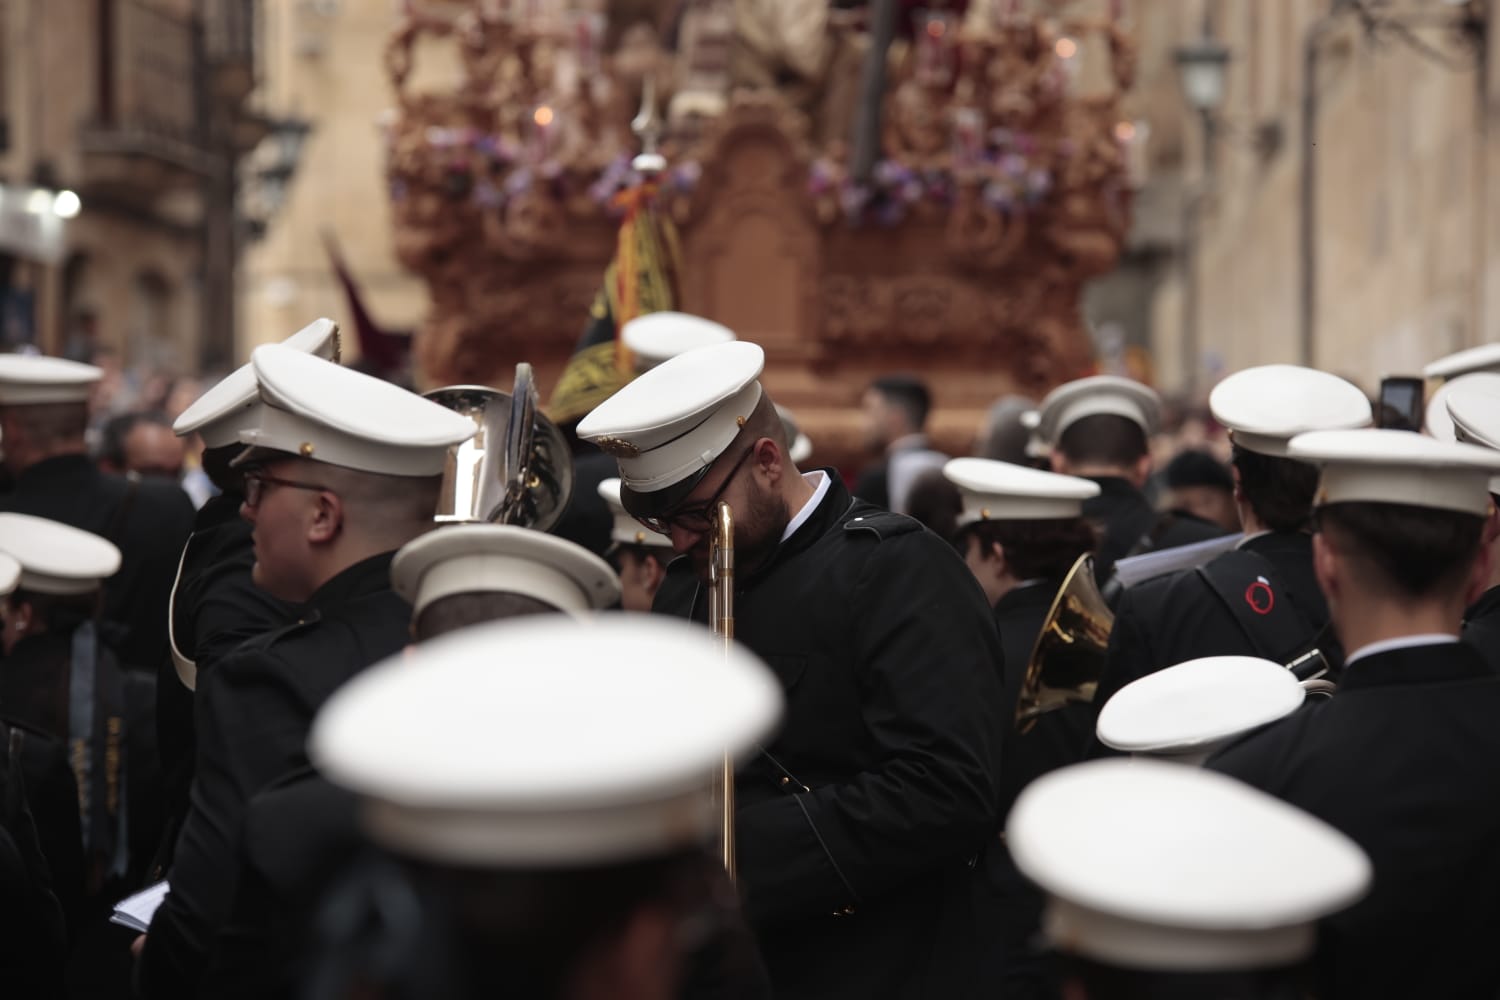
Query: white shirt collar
{"x": 907, "y": 442}
{"x": 1400, "y": 642}
{"x": 819, "y": 481}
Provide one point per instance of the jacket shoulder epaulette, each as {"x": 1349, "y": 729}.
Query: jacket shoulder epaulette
{"x": 882, "y": 523}
{"x": 265, "y": 640}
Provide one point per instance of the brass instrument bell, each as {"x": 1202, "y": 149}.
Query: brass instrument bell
{"x": 516, "y": 469}
{"x": 1070, "y": 651}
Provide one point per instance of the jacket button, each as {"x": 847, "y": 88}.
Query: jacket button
{"x": 785, "y": 781}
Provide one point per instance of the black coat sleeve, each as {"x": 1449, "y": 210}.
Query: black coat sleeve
{"x": 925, "y": 648}
{"x": 1130, "y": 655}
{"x": 252, "y": 724}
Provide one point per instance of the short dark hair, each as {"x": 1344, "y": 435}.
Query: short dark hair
{"x": 1196, "y": 468}
{"x": 655, "y": 553}
{"x": 52, "y": 424}
{"x": 1103, "y": 980}
{"x": 908, "y": 394}
{"x": 523, "y": 932}
{"x": 1279, "y": 490}
{"x": 1103, "y": 439}
{"x": 1035, "y": 550}
{"x": 456, "y": 611}
{"x": 62, "y": 613}
{"x": 935, "y": 502}
{"x": 112, "y": 438}
{"x": 1405, "y": 551}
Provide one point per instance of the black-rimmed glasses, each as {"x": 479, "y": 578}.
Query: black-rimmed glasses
{"x": 698, "y": 517}
{"x": 256, "y": 482}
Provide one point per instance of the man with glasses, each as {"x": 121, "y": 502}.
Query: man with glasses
{"x": 858, "y": 825}
{"x": 214, "y": 605}
{"x": 343, "y": 470}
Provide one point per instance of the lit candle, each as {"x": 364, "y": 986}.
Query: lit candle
{"x": 542, "y": 121}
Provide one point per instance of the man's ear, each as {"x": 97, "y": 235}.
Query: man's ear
{"x": 1142, "y": 470}
{"x": 651, "y": 573}
{"x": 1479, "y": 575}
{"x": 1060, "y": 464}
{"x": 769, "y": 461}
{"x": 1327, "y": 567}
{"x": 1239, "y": 493}
{"x": 325, "y": 518}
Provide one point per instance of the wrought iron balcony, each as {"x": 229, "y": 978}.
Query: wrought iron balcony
{"x": 148, "y": 130}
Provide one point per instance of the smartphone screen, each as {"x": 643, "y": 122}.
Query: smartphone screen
{"x": 1400, "y": 404}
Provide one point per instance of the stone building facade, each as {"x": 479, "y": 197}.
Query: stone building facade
{"x": 1345, "y": 212}
{"x": 138, "y": 107}
{"x": 322, "y": 65}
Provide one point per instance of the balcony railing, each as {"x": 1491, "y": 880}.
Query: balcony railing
{"x": 151, "y": 100}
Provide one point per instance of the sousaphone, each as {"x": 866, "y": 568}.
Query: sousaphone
{"x": 516, "y": 469}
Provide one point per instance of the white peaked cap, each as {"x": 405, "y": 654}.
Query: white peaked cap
{"x": 1398, "y": 467}
{"x": 1484, "y": 358}
{"x": 1266, "y": 407}
{"x": 28, "y": 379}
{"x": 627, "y": 530}
{"x": 1095, "y": 395}
{"x": 229, "y": 407}
{"x": 338, "y": 416}
{"x": 470, "y": 558}
{"x": 667, "y": 427}
{"x": 1471, "y": 412}
{"x": 57, "y": 558}
{"x": 1188, "y": 711}
{"x": 660, "y": 336}
{"x": 1155, "y": 866}
{"x": 546, "y": 741}
{"x": 1000, "y": 491}
{"x": 1473, "y": 406}
{"x": 10, "y": 574}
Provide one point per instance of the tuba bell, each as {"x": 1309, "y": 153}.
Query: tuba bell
{"x": 1068, "y": 657}
{"x": 516, "y": 469}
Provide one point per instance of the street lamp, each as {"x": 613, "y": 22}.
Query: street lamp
{"x": 1203, "y": 67}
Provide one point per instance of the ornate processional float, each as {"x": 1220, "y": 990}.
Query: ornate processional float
{"x": 937, "y": 211}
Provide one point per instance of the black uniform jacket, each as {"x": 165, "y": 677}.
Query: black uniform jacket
{"x": 300, "y": 916}
{"x": 300, "y": 834}
{"x": 1015, "y": 966}
{"x": 1178, "y": 617}
{"x": 35, "y": 685}
{"x": 33, "y": 936}
{"x": 149, "y": 522}
{"x": 51, "y": 797}
{"x": 253, "y": 712}
{"x": 1131, "y": 526}
{"x": 1405, "y": 759}
{"x": 857, "y": 826}
{"x": 215, "y": 608}
{"x": 1482, "y": 626}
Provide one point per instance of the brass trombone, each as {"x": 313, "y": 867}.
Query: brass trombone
{"x": 721, "y": 620}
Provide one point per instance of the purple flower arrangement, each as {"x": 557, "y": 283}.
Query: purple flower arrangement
{"x": 1005, "y": 168}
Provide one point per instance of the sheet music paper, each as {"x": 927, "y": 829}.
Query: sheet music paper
{"x": 136, "y": 911}
{"x": 1133, "y": 570}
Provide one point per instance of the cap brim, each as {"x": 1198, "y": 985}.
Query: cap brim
{"x": 659, "y": 502}
{"x": 255, "y": 455}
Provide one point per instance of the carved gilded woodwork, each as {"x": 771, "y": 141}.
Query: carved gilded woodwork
{"x": 998, "y": 194}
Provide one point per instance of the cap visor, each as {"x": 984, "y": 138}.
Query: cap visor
{"x": 659, "y": 502}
